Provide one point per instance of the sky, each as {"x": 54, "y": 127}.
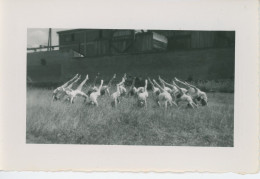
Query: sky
{"x": 39, "y": 36}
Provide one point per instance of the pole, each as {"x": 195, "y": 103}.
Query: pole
{"x": 49, "y": 41}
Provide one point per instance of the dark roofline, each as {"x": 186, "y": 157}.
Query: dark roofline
{"x": 73, "y": 30}
{"x": 79, "y": 30}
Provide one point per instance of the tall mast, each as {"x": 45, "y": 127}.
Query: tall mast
{"x": 49, "y": 41}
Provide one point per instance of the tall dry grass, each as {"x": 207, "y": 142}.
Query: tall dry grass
{"x": 63, "y": 123}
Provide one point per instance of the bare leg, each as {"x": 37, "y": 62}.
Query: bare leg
{"x": 175, "y": 104}
{"x": 82, "y": 83}
{"x": 86, "y": 98}
{"x": 170, "y": 103}
{"x": 71, "y": 85}
{"x": 116, "y": 103}
{"x": 107, "y": 90}
{"x": 159, "y": 104}
{"x": 54, "y": 97}
{"x": 66, "y": 84}
{"x": 179, "y": 106}
{"x": 193, "y": 104}
{"x": 72, "y": 100}
{"x": 96, "y": 103}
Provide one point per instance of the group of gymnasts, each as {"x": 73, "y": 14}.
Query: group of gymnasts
{"x": 164, "y": 93}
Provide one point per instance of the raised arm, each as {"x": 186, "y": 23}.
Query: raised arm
{"x": 161, "y": 80}
{"x": 124, "y": 76}
{"x": 168, "y": 84}
{"x": 176, "y": 79}
{"x": 145, "y": 87}
{"x": 110, "y": 81}
{"x": 180, "y": 90}
{"x": 122, "y": 82}
{"x": 151, "y": 82}
{"x": 100, "y": 85}
{"x": 158, "y": 86}
{"x": 191, "y": 86}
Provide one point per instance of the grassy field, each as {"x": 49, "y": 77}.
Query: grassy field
{"x": 62, "y": 123}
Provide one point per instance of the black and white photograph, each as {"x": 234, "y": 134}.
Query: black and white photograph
{"x": 135, "y": 87}
{"x": 130, "y": 87}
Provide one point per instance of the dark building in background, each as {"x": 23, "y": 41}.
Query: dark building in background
{"x": 89, "y": 42}
{"x": 98, "y": 42}
{"x": 201, "y": 55}
{"x": 181, "y": 40}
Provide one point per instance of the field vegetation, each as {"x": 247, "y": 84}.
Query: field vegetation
{"x": 225, "y": 86}
{"x": 59, "y": 122}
